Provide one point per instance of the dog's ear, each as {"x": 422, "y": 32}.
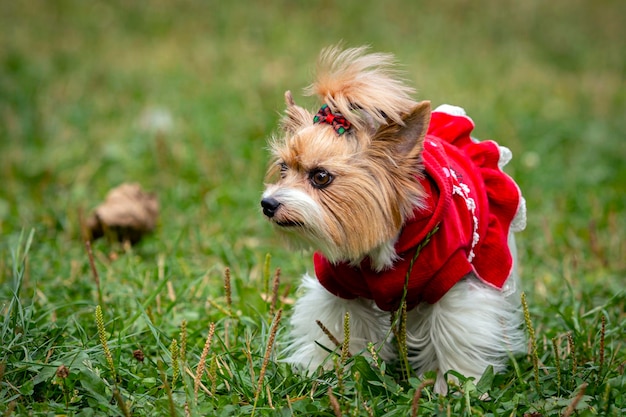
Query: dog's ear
{"x": 295, "y": 116}
{"x": 409, "y": 136}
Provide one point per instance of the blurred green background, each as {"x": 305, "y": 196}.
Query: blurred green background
{"x": 181, "y": 96}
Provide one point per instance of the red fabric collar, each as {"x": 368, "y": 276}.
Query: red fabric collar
{"x": 471, "y": 201}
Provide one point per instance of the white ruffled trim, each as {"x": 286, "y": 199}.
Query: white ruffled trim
{"x": 519, "y": 220}
{"x": 450, "y": 109}
{"x": 453, "y": 111}
{"x": 505, "y": 156}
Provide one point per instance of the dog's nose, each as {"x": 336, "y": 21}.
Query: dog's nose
{"x": 270, "y": 206}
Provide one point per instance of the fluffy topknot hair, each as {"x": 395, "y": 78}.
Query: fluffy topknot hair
{"x": 363, "y": 87}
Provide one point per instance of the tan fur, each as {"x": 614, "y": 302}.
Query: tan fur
{"x": 375, "y": 188}
{"x": 295, "y": 116}
{"x": 349, "y": 78}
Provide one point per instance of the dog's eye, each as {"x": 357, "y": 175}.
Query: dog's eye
{"x": 283, "y": 169}
{"x": 320, "y": 178}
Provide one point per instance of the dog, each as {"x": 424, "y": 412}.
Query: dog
{"x": 401, "y": 204}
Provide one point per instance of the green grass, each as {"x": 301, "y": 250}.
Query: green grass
{"x": 76, "y": 79}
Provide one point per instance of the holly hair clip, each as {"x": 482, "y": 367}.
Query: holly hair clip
{"x": 336, "y": 120}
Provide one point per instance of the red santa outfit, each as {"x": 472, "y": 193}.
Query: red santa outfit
{"x": 470, "y": 201}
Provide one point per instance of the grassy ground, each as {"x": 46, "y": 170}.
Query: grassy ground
{"x": 80, "y": 83}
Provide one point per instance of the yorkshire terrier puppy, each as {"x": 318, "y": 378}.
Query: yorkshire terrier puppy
{"x": 402, "y": 204}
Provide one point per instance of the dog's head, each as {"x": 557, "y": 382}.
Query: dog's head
{"x": 343, "y": 180}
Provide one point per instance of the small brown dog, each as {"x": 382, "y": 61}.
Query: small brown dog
{"x": 403, "y": 205}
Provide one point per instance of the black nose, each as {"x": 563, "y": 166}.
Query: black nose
{"x": 270, "y": 206}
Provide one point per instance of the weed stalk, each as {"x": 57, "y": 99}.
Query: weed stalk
{"x": 415, "y": 405}
{"x": 183, "y": 341}
{"x": 266, "y": 358}
{"x": 572, "y": 349}
{"x": 228, "y": 292}
{"x": 345, "y": 346}
{"x": 275, "y": 287}
{"x": 572, "y": 406}
{"x": 175, "y": 355}
{"x": 121, "y": 403}
{"x": 202, "y": 363}
{"x": 229, "y": 305}
{"x": 328, "y": 334}
{"x": 602, "y": 345}
{"x": 371, "y": 348}
{"x": 557, "y": 363}
{"x": 400, "y": 330}
{"x": 334, "y": 403}
{"x": 168, "y": 390}
{"x": 339, "y": 373}
{"x": 103, "y": 341}
{"x": 533, "y": 341}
